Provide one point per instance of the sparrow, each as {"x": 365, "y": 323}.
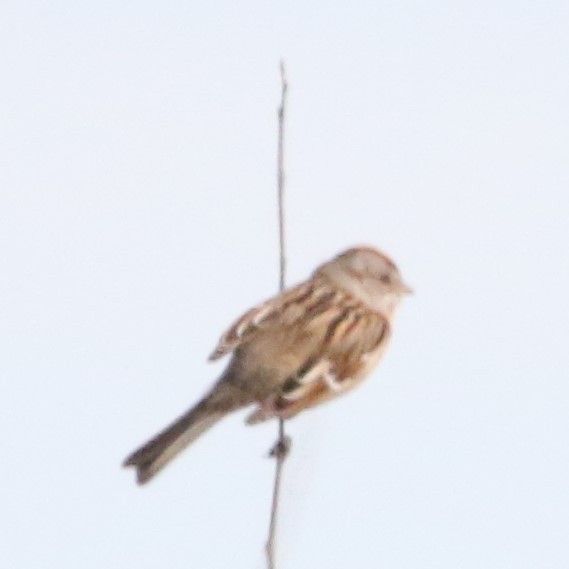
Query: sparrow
{"x": 303, "y": 347}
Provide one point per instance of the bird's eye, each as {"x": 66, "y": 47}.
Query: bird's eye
{"x": 385, "y": 279}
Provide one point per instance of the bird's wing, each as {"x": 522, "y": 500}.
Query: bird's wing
{"x": 282, "y": 310}
{"x": 353, "y": 343}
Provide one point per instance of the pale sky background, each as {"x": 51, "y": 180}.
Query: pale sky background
{"x": 137, "y": 220}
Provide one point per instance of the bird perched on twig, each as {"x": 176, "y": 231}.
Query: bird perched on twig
{"x": 301, "y": 348}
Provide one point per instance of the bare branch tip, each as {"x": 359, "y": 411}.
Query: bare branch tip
{"x": 284, "y": 81}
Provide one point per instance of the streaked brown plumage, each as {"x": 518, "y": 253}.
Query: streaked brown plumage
{"x": 297, "y": 350}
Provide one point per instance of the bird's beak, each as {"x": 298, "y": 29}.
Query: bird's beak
{"x": 405, "y": 289}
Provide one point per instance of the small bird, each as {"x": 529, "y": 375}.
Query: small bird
{"x": 307, "y": 345}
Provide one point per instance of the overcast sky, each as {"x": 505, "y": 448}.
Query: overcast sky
{"x": 138, "y": 219}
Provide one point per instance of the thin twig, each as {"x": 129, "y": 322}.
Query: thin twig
{"x": 281, "y": 177}
{"x": 282, "y": 447}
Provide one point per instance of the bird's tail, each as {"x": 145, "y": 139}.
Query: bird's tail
{"x": 150, "y": 458}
